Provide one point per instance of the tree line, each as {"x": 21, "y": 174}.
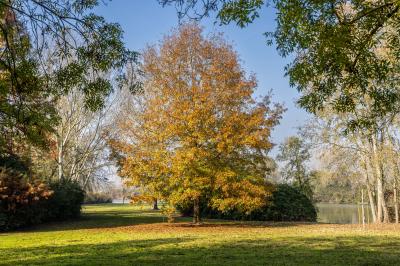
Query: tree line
{"x": 180, "y": 120}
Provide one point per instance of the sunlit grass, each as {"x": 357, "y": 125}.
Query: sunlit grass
{"x": 125, "y": 235}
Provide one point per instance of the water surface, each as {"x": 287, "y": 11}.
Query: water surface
{"x": 342, "y": 213}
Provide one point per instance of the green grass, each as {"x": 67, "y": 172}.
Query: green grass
{"x": 124, "y": 235}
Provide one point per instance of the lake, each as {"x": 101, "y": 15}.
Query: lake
{"x": 120, "y": 201}
{"x": 342, "y": 213}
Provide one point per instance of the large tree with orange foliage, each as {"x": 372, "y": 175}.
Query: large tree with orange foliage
{"x": 196, "y": 131}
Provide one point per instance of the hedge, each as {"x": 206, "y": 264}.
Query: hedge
{"x": 287, "y": 203}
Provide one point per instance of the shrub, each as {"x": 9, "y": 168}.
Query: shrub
{"x": 26, "y": 202}
{"x": 21, "y": 200}
{"x": 66, "y": 201}
{"x": 287, "y": 203}
{"x": 97, "y": 198}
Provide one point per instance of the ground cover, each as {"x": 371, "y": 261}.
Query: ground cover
{"x": 116, "y": 234}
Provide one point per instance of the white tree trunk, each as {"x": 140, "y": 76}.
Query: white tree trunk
{"x": 371, "y": 197}
{"x": 362, "y": 207}
{"x": 379, "y": 181}
{"x": 60, "y": 160}
{"x": 396, "y": 206}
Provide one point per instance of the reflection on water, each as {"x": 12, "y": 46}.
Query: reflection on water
{"x": 342, "y": 213}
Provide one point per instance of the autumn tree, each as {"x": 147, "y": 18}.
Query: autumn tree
{"x": 345, "y": 63}
{"x": 200, "y": 133}
{"x": 129, "y": 132}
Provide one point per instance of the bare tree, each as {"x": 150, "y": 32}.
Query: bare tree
{"x": 81, "y": 146}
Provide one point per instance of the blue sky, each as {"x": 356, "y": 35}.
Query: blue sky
{"x": 145, "y": 22}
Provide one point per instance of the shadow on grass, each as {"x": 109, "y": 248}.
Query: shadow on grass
{"x": 132, "y": 218}
{"x": 187, "y": 247}
{"x": 240, "y": 224}
{"x": 117, "y": 215}
{"x": 103, "y": 219}
{"x": 360, "y": 250}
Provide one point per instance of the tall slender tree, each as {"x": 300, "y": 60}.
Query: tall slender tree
{"x": 295, "y": 153}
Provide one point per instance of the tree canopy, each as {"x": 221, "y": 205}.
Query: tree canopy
{"x": 242, "y": 12}
{"x": 346, "y": 53}
{"x": 200, "y": 133}
{"x": 48, "y": 49}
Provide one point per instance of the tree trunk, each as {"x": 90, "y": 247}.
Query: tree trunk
{"x": 396, "y": 206}
{"x": 362, "y": 207}
{"x": 385, "y": 212}
{"x": 60, "y": 159}
{"x": 155, "y": 205}
{"x": 395, "y": 162}
{"x": 370, "y": 195}
{"x": 371, "y": 202}
{"x": 196, "y": 211}
{"x": 386, "y": 218}
{"x": 384, "y": 206}
{"x": 379, "y": 193}
{"x": 379, "y": 181}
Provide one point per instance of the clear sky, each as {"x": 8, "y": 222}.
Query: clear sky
{"x": 145, "y": 22}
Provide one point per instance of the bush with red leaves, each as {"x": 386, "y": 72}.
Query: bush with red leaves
{"x": 21, "y": 199}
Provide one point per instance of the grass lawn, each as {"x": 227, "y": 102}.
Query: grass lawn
{"x": 116, "y": 234}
